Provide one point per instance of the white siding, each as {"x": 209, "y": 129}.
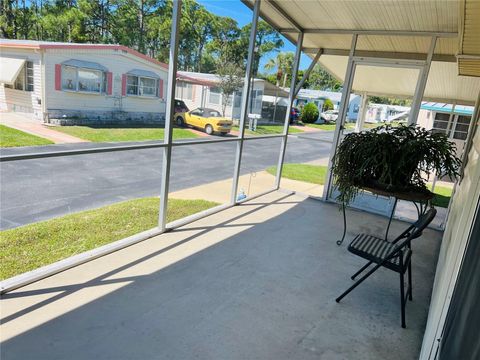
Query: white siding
{"x": 23, "y": 101}
{"x": 460, "y": 220}
{"x": 118, "y": 63}
{"x": 196, "y": 100}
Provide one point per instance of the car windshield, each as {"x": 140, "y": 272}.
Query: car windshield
{"x": 212, "y": 113}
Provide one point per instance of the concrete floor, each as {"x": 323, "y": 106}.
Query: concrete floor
{"x": 257, "y": 281}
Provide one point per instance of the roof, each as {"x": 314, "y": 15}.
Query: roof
{"x": 40, "y": 45}
{"x": 386, "y": 29}
{"x": 322, "y": 94}
{"x": 214, "y": 79}
{"x": 447, "y": 108}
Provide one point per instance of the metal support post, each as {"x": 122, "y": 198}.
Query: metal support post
{"x": 169, "y": 113}
{"x": 244, "y": 103}
{"x": 307, "y": 72}
{"x": 347, "y": 86}
{"x": 362, "y": 112}
{"x": 421, "y": 83}
{"x": 291, "y": 97}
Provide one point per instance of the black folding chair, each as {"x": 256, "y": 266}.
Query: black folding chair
{"x": 394, "y": 255}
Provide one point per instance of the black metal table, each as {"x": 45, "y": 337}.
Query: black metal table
{"x": 421, "y": 200}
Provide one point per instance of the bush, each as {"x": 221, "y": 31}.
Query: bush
{"x": 309, "y": 113}
{"x": 327, "y": 105}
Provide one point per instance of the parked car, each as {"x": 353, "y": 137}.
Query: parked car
{"x": 209, "y": 120}
{"x": 294, "y": 115}
{"x": 329, "y": 115}
{"x": 180, "y": 106}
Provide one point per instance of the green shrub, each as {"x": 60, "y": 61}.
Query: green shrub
{"x": 327, "y": 105}
{"x": 309, "y": 113}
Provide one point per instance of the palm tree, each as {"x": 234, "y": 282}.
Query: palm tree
{"x": 283, "y": 63}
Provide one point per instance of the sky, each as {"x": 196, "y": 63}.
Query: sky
{"x": 243, "y": 15}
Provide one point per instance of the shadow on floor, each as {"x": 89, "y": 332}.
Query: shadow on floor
{"x": 255, "y": 281}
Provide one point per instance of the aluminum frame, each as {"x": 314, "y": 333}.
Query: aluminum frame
{"x": 291, "y": 97}
{"x": 347, "y": 87}
{"x": 421, "y": 84}
{"x": 422, "y": 65}
{"x": 307, "y": 72}
{"x": 245, "y": 99}
{"x": 169, "y": 113}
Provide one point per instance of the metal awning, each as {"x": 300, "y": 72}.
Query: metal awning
{"x": 9, "y": 69}
{"x": 273, "y": 90}
{"x": 85, "y": 64}
{"x": 145, "y": 73}
{"x": 443, "y": 84}
{"x": 386, "y": 29}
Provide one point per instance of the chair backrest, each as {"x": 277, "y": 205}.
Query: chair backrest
{"x": 414, "y": 231}
{"x": 423, "y": 221}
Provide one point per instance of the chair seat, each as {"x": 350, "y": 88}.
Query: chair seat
{"x": 375, "y": 249}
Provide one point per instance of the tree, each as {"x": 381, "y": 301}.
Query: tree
{"x": 309, "y": 113}
{"x": 320, "y": 79}
{"x": 267, "y": 40}
{"x": 230, "y": 81}
{"x": 283, "y": 63}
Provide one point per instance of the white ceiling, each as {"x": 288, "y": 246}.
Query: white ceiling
{"x": 336, "y": 20}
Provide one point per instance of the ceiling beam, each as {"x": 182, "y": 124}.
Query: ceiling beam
{"x": 284, "y": 14}
{"x": 290, "y": 37}
{"x": 443, "y": 34}
{"x": 383, "y": 54}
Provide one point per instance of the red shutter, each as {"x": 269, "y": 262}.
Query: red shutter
{"x": 109, "y": 83}
{"x": 58, "y": 77}
{"x": 124, "y": 84}
{"x": 160, "y": 89}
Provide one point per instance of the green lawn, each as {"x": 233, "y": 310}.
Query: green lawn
{"x": 31, "y": 246}
{"x": 330, "y": 126}
{"x": 12, "y": 138}
{"x": 269, "y": 130}
{"x": 314, "y": 174}
{"x": 122, "y": 134}
{"x": 442, "y": 195}
{"x": 350, "y": 125}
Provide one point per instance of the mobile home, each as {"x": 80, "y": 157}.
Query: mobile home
{"x": 67, "y": 84}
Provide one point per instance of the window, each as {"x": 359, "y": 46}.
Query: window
{"x": 184, "y": 90}
{"x": 459, "y": 125}
{"x": 142, "y": 86}
{"x": 440, "y": 122}
{"x": 257, "y": 97}
{"x": 215, "y": 96}
{"x": 214, "y": 113}
{"x": 24, "y": 80}
{"x": 84, "y": 80}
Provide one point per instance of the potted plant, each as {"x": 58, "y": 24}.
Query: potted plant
{"x": 392, "y": 160}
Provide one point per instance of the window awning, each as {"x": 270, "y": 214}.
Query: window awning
{"x": 85, "y": 64}
{"x": 145, "y": 73}
{"x": 9, "y": 69}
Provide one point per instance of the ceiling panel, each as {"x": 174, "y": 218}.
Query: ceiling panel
{"x": 443, "y": 82}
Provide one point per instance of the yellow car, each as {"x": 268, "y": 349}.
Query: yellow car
{"x": 209, "y": 120}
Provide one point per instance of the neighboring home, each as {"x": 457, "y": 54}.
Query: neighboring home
{"x": 318, "y": 97}
{"x": 66, "y": 83}
{"x": 440, "y": 118}
{"x": 386, "y": 113}
{"x": 201, "y": 90}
